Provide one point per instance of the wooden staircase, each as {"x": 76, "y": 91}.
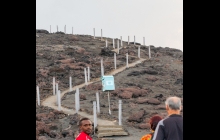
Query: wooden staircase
{"x": 110, "y": 130}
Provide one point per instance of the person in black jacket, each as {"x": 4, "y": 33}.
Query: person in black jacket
{"x": 171, "y": 127}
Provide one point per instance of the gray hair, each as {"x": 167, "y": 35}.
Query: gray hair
{"x": 173, "y": 103}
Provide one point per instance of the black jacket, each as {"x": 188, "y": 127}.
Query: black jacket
{"x": 170, "y": 128}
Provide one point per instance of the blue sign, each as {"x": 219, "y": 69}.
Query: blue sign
{"x": 108, "y": 83}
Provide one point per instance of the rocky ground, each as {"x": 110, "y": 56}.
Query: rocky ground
{"x": 142, "y": 89}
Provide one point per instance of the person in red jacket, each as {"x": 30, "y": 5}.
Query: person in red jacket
{"x": 85, "y": 125}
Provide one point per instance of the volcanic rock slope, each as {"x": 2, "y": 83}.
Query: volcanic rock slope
{"x": 142, "y": 89}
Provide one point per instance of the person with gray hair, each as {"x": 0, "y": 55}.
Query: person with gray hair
{"x": 171, "y": 127}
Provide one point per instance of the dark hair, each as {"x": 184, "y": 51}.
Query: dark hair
{"x": 154, "y": 121}
{"x": 80, "y": 121}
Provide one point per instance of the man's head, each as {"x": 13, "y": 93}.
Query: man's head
{"x": 173, "y": 104}
{"x": 85, "y": 125}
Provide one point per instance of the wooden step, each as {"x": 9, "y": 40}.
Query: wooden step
{"x": 110, "y": 130}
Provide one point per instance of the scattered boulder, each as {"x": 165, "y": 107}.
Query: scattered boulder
{"x": 107, "y": 52}
{"x": 136, "y": 117}
{"x": 142, "y": 101}
{"x": 153, "y": 101}
{"x": 125, "y": 95}
{"x": 42, "y": 31}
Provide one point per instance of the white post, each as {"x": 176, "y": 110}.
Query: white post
{"x": 106, "y": 43}
{"x": 101, "y": 34}
{"x": 144, "y": 41}
{"x": 53, "y": 85}
{"x": 85, "y": 76}
{"x": 103, "y": 71}
{"x": 138, "y": 51}
{"x": 128, "y": 40}
{"x": 115, "y": 59}
{"x": 88, "y": 74}
{"x": 57, "y": 90}
{"x": 120, "y": 113}
{"x": 94, "y": 114}
{"x": 134, "y": 40}
{"x": 76, "y": 102}
{"x": 109, "y": 104}
{"x": 97, "y": 98}
{"x": 118, "y": 46}
{"x": 38, "y": 96}
{"x": 70, "y": 79}
{"x": 121, "y": 41}
{"x": 59, "y": 100}
{"x": 149, "y": 52}
{"x": 50, "y": 28}
{"x": 127, "y": 60}
{"x": 72, "y": 30}
{"x": 113, "y": 43}
{"x": 101, "y": 67}
{"x": 78, "y": 99}
{"x": 94, "y": 32}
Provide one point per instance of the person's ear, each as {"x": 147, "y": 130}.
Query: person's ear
{"x": 167, "y": 108}
{"x": 181, "y": 107}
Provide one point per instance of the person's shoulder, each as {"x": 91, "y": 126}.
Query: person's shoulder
{"x": 81, "y": 135}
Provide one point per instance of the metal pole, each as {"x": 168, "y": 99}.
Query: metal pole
{"x": 113, "y": 43}
{"x": 57, "y": 91}
{"x": 138, "y": 51}
{"x": 109, "y": 104}
{"x": 88, "y": 74}
{"x": 134, "y": 40}
{"x": 115, "y": 59}
{"x": 120, "y": 113}
{"x": 38, "y": 96}
{"x": 70, "y": 82}
{"x": 101, "y": 67}
{"x": 78, "y": 98}
{"x": 118, "y": 46}
{"x": 53, "y": 85}
{"x": 128, "y": 40}
{"x": 94, "y": 114}
{"x": 85, "y": 76}
{"x": 121, "y": 40}
{"x": 98, "y": 105}
{"x": 76, "y": 102}
{"x": 127, "y": 60}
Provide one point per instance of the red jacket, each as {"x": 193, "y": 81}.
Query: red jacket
{"x": 83, "y": 136}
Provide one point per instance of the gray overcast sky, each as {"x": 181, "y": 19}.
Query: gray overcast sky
{"x": 159, "y": 21}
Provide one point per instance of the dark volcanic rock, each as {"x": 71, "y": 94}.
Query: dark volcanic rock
{"x": 136, "y": 117}
{"x": 146, "y": 87}
{"x": 106, "y": 52}
{"x": 42, "y": 31}
{"x": 153, "y": 101}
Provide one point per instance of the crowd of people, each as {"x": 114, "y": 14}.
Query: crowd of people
{"x": 168, "y": 128}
